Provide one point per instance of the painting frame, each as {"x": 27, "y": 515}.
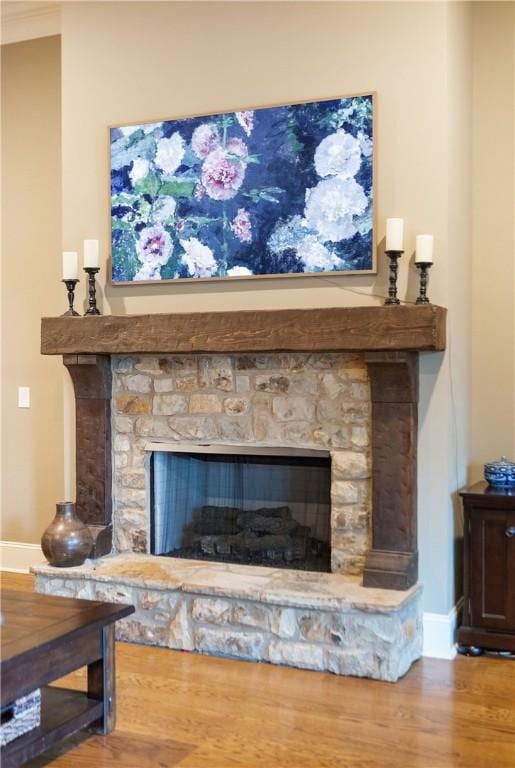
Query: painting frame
{"x": 320, "y": 275}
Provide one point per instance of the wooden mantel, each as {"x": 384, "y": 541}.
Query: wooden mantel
{"x": 401, "y": 328}
{"x": 389, "y": 337}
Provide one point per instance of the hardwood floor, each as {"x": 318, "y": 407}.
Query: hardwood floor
{"x": 191, "y": 711}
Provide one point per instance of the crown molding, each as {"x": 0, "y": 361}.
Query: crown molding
{"x": 28, "y": 20}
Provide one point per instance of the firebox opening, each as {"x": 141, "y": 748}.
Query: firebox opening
{"x": 219, "y": 503}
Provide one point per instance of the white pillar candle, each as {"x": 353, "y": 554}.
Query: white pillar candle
{"x": 394, "y": 234}
{"x": 70, "y": 265}
{"x": 91, "y": 254}
{"x": 424, "y": 249}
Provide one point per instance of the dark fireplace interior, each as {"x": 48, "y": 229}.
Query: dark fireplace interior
{"x": 259, "y": 509}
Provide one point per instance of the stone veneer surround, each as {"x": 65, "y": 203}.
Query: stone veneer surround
{"x": 289, "y": 400}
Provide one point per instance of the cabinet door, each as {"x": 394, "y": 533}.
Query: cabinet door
{"x": 492, "y": 569}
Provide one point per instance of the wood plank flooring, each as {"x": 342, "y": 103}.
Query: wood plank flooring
{"x": 191, "y": 711}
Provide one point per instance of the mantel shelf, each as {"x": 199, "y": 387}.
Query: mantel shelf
{"x": 378, "y": 328}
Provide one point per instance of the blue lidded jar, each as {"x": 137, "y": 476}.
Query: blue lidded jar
{"x": 500, "y": 474}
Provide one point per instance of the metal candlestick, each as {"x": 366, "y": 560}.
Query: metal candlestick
{"x": 423, "y": 267}
{"x": 92, "y": 271}
{"x": 394, "y": 256}
{"x": 70, "y": 287}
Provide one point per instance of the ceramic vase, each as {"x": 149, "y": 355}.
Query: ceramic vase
{"x": 67, "y": 541}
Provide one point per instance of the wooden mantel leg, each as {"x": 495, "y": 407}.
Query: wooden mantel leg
{"x": 392, "y": 562}
{"x": 91, "y": 377}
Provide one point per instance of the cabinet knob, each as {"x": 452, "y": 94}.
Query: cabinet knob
{"x": 510, "y": 532}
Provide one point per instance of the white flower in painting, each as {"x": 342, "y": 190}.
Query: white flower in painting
{"x": 239, "y": 272}
{"x": 140, "y": 168}
{"x": 205, "y": 139}
{"x": 315, "y": 256}
{"x": 153, "y": 249}
{"x": 331, "y": 206}
{"x": 128, "y": 130}
{"x": 365, "y": 144}
{"x": 242, "y": 226}
{"x": 150, "y": 127}
{"x": 164, "y": 208}
{"x": 222, "y": 174}
{"x": 237, "y": 147}
{"x": 198, "y": 258}
{"x": 287, "y": 234}
{"x": 363, "y": 223}
{"x": 339, "y": 154}
{"x": 246, "y": 120}
{"x": 170, "y": 153}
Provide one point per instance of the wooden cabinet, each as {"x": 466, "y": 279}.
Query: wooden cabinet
{"x": 489, "y": 584}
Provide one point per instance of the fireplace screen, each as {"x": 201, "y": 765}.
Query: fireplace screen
{"x": 258, "y": 509}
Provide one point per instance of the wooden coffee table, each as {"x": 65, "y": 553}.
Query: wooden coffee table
{"x": 43, "y": 639}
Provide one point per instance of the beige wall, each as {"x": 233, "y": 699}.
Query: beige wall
{"x": 32, "y": 461}
{"x": 493, "y": 253}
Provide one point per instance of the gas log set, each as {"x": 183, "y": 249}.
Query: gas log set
{"x": 265, "y": 536}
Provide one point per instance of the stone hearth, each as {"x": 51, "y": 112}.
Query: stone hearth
{"x": 318, "y": 621}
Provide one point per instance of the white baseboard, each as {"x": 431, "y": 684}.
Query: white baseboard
{"x": 18, "y": 557}
{"x": 439, "y": 631}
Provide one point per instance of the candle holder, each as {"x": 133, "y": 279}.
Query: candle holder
{"x": 92, "y": 310}
{"x": 394, "y": 256}
{"x": 70, "y": 287}
{"x": 423, "y": 267}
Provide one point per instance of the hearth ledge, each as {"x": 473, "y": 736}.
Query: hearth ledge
{"x": 274, "y": 586}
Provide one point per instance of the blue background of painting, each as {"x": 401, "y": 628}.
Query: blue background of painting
{"x": 285, "y": 138}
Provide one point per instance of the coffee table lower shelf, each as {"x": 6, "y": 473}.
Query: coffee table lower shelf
{"x": 63, "y": 713}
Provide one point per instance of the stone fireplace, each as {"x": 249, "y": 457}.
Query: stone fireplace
{"x": 284, "y": 419}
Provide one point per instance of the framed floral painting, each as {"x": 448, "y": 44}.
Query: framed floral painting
{"x": 283, "y": 190}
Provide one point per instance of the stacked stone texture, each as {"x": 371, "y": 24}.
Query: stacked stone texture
{"x": 297, "y": 400}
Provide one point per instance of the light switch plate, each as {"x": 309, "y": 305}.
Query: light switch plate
{"x": 23, "y": 397}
